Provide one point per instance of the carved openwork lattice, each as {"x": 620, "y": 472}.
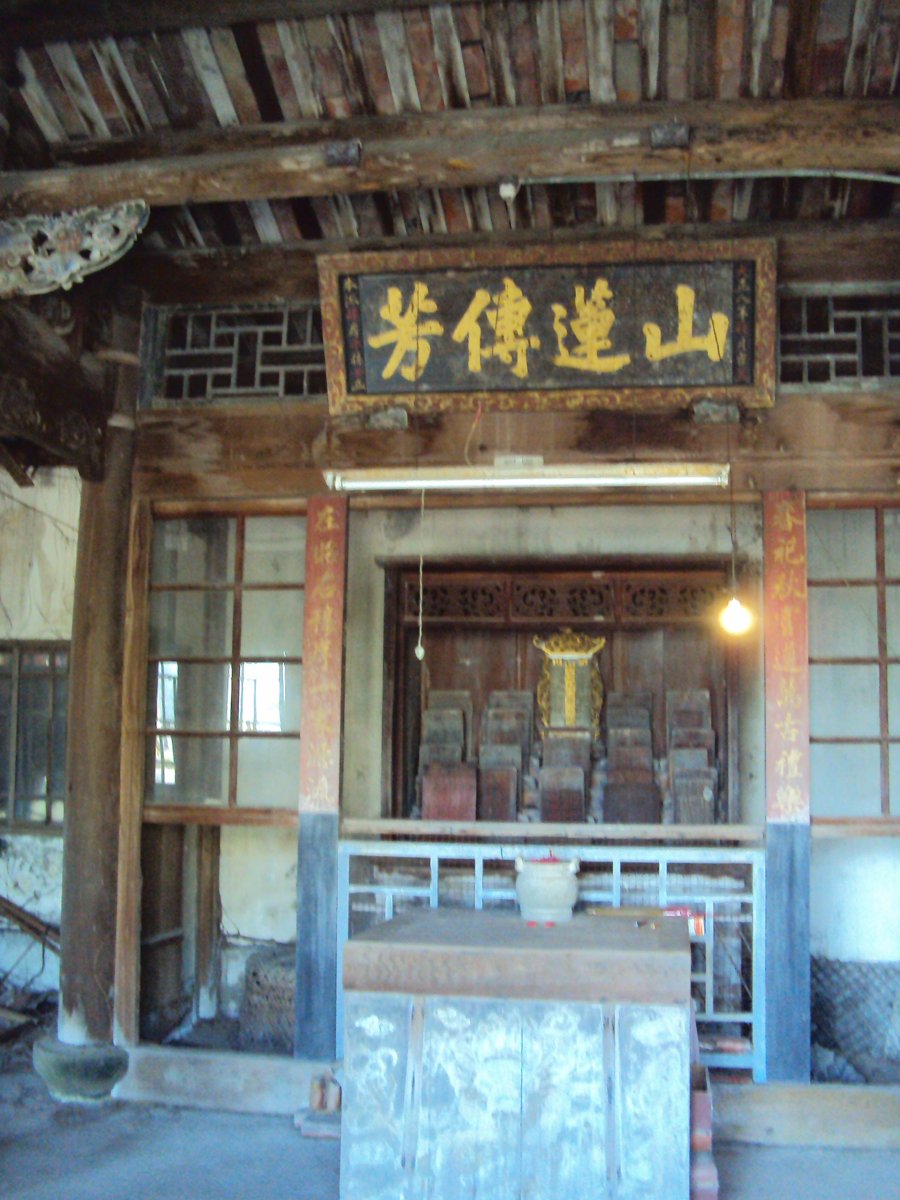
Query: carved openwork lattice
{"x": 550, "y": 600}
{"x": 41, "y": 253}
{"x": 666, "y": 599}
{"x": 448, "y": 599}
{"x": 237, "y": 354}
{"x": 530, "y": 599}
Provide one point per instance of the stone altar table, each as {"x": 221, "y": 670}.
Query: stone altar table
{"x": 486, "y": 1058}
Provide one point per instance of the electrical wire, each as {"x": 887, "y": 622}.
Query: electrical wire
{"x": 420, "y": 649}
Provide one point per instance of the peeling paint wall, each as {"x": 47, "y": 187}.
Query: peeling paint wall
{"x": 38, "y": 537}
{"x": 604, "y": 531}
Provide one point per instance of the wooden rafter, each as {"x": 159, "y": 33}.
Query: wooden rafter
{"x": 30, "y": 22}
{"x": 803, "y": 21}
{"x": 561, "y": 143}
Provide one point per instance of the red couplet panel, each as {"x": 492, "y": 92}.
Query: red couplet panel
{"x": 786, "y": 657}
{"x": 323, "y": 652}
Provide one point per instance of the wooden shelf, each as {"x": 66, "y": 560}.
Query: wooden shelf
{"x": 529, "y": 831}
{"x": 847, "y": 827}
{"x": 175, "y": 814}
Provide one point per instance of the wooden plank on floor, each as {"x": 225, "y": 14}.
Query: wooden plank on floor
{"x": 258, "y": 1083}
{"x": 833, "y": 1115}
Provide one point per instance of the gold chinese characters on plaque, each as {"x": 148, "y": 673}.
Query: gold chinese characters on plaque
{"x": 570, "y": 690}
{"x": 555, "y": 327}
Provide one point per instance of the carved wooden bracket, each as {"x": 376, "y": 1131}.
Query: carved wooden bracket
{"x": 39, "y": 254}
{"x": 73, "y": 436}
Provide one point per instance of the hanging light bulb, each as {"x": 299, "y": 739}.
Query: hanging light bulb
{"x": 735, "y": 618}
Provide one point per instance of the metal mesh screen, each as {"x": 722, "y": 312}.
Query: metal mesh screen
{"x": 856, "y": 1010}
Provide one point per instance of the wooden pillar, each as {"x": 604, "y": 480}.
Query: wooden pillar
{"x": 83, "y": 1062}
{"x": 787, "y": 787}
{"x": 320, "y": 777}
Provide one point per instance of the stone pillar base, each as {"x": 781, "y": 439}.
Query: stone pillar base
{"x": 85, "y": 1073}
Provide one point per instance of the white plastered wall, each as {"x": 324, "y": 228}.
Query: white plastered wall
{"x": 258, "y": 890}
{"x": 38, "y": 538}
{"x": 536, "y": 531}
{"x": 855, "y": 899}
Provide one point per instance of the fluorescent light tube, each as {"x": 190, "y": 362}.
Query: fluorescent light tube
{"x": 548, "y": 478}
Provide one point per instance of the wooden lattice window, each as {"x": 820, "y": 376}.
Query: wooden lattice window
{"x": 240, "y": 354}
{"x": 839, "y": 337}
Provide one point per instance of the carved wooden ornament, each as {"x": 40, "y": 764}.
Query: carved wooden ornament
{"x": 41, "y": 253}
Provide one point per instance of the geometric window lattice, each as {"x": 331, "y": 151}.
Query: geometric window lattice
{"x": 234, "y": 355}
{"x": 842, "y": 339}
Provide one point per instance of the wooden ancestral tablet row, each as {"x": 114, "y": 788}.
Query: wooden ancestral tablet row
{"x": 568, "y": 774}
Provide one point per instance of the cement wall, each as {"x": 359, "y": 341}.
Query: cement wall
{"x": 489, "y": 534}
{"x": 38, "y": 537}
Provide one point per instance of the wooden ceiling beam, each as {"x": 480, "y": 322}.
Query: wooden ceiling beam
{"x": 561, "y": 143}
{"x": 824, "y": 442}
{"x": 48, "y": 396}
{"x": 808, "y": 252}
{"x": 32, "y": 22}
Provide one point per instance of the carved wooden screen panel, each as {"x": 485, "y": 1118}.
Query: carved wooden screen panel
{"x": 539, "y": 599}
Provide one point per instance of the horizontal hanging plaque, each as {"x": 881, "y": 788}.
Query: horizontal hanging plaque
{"x": 551, "y": 327}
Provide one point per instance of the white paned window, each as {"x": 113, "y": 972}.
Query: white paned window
{"x": 854, "y": 654}
{"x": 225, "y": 676}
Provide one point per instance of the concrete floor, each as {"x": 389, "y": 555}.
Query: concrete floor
{"x": 50, "y": 1151}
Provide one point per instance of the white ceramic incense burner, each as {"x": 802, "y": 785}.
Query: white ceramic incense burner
{"x": 546, "y": 888}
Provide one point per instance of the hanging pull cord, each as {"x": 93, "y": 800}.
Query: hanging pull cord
{"x": 420, "y": 649}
